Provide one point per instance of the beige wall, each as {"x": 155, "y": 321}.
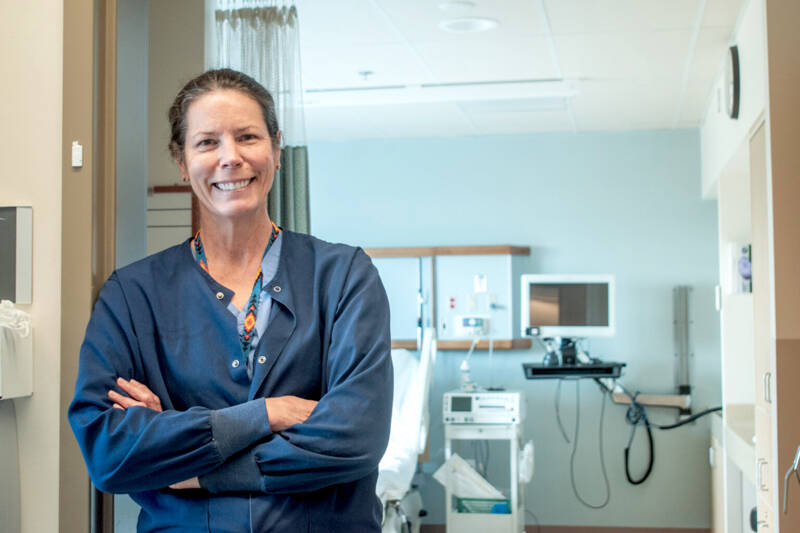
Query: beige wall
{"x": 176, "y": 55}
{"x": 30, "y": 148}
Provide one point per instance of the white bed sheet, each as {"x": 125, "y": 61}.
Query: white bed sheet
{"x": 409, "y": 431}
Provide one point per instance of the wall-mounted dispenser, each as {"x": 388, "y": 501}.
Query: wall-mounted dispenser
{"x": 16, "y": 254}
{"x": 16, "y": 352}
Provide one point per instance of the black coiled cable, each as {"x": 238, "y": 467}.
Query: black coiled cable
{"x": 637, "y": 415}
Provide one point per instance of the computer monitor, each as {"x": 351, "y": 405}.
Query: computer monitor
{"x": 567, "y": 305}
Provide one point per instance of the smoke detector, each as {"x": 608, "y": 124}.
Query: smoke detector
{"x": 468, "y": 24}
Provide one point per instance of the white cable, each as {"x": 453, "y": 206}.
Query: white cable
{"x": 466, "y": 381}
{"x": 472, "y": 347}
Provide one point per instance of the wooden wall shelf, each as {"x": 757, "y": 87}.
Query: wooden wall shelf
{"x": 463, "y": 345}
{"x": 499, "y": 344}
{"x": 404, "y": 344}
{"x": 430, "y": 251}
{"x": 160, "y": 189}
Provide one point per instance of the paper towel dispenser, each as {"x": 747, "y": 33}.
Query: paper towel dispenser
{"x": 16, "y": 254}
{"x": 16, "y": 352}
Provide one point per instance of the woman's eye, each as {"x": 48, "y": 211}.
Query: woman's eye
{"x": 205, "y": 143}
{"x": 248, "y": 137}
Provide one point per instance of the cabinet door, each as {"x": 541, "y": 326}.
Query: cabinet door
{"x": 765, "y": 519}
{"x": 716, "y": 459}
{"x": 760, "y": 269}
{"x": 764, "y": 460}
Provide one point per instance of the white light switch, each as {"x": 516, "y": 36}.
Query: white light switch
{"x": 77, "y": 155}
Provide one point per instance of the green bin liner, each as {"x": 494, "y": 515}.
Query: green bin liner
{"x": 483, "y": 505}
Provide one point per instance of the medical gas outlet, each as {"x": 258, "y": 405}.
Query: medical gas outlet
{"x": 471, "y": 326}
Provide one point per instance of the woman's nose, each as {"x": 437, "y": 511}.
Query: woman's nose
{"x": 229, "y": 156}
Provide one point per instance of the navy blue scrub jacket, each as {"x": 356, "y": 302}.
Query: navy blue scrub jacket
{"x": 159, "y": 321}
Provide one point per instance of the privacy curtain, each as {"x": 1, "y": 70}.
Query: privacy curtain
{"x": 261, "y": 39}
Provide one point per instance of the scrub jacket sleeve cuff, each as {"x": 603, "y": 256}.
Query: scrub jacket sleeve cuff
{"x": 240, "y": 473}
{"x": 240, "y": 426}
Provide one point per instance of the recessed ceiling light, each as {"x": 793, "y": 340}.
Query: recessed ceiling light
{"x": 457, "y": 4}
{"x": 468, "y": 24}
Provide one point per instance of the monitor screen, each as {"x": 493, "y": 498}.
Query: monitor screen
{"x": 461, "y": 404}
{"x": 567, "y": 305}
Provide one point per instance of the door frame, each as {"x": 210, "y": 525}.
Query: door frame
{"x": 88, "y": 208}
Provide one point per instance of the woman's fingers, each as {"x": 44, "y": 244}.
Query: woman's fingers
{"x": 286, "y": 411}
{"x": 123, "y": 401}
{"x": 135, "y": 389}
{"x": 193, "y": 483}
{"x": 138, "y": 394}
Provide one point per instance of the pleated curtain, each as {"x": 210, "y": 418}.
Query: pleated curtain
{"x": 261, "y": 39}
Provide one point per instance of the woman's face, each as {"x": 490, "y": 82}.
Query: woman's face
{"x": 228, "y": 156}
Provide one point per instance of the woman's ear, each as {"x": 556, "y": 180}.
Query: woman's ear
{"x": 276, "y": 152}
{"x": 182, "y": 168}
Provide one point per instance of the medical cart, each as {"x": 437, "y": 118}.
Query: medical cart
{"x": 486, "y": 416}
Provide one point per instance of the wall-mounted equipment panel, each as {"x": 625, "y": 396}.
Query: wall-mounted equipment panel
{"x": 408, "y": 282}
{"x": 463, "y": 291}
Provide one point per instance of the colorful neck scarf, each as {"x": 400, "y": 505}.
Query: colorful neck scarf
{"x": 246, "y": 335}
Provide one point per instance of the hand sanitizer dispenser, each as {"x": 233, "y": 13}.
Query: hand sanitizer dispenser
{"x": 16, "y": 352}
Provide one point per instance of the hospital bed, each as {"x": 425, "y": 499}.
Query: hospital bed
{"x": 408, "y": 437}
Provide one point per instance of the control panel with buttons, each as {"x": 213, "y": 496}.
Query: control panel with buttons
{"x": 487, "y": 407}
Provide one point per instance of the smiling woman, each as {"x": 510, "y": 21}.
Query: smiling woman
{"x": 221, "y": 403}
{"x": 230, "y": 158}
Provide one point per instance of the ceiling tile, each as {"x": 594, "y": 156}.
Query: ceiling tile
{"x": 339, "y": 124}
{"x": 471, "y": 61}
{"x": 625, "y": 104}
{"x": 623, "y": 55}
{"x": 422, "y": 120}
{"x": 419, "y": 20}
{"x": 585, "y": 16}
{"x": 521, "y": 122}
{"x": 343, "y": 22}
{"x": 339, "y": 66}
{"x": 389, "y": 121}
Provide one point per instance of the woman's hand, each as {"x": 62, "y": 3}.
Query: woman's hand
{"x": 285, "y": 411}
{"x": 138, "y": 394}
{"x": 193, "y": 483}
{"x": 142, "y": 396}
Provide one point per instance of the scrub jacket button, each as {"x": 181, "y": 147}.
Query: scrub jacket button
{"x": 262, "y": 359}
{"x": 220, "y": 295}
{"x": 235, "y": 363}
{"x": 276, "y": 288}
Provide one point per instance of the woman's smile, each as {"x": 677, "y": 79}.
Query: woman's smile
{"x": 233, "y": 185}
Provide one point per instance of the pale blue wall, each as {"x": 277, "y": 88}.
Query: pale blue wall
{"x": 622, "y": 203}
{"x": 131, "y": 154}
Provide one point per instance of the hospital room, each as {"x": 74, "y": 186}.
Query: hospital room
{"x": 582, "y": 214}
